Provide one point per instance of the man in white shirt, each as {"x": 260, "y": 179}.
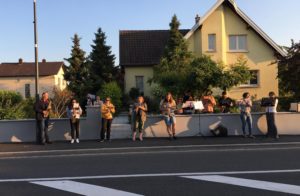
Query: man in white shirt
{"x": 270, "y": 114}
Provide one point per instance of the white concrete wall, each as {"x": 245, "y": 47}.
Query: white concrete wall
{"x": 187, "y": 125}
{"x": 59, "y": 129}
{"x": 192, "y": 125}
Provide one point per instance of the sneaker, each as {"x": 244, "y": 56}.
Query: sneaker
{"x": 174, "y": 137}
{"x": 77, "y": 140}
{"x": 277, "y": 136}
{"x": 101, "y": 141}
{"x": 72, "y": 141}
{"x": 251, "y": 136}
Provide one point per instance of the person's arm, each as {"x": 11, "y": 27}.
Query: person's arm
{"x": 112, "y": 109}
{"x": 80, "y": 111}
{"x": 144, "y": 108}
{"x": 249, "y": 103}
{"x": 213, "y": 101}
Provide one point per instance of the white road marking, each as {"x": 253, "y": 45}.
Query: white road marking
{"x": 162, "y": 151}
{"x": 83, "y": 188}
{"x": 151, "y": 175}
{"x": 151, "y": 147}
{"x": 257, "y": 184}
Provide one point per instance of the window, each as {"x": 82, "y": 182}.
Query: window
{"x": 211, "y": 42}
{"x": 139, "y": 81}
{"x": 27, "y": 91}
{"x": 59, "y": 81}
{"x": 237, "y": 43}
{"x": 254, "y": 80}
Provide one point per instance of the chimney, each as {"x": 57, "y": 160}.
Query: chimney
{"x": 20, "y": 61}
{"x": 197, "y": 18}
{"x": 44, "y": 61}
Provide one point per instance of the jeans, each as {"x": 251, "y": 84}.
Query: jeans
{"x": 246, "y": 119}
{"x": 42, "y": 126}
{"x": 169, "y": 120}
{"x": 75, "y": 128}
{"x": 106, "y": 128}
{"x": 272, "y": 128}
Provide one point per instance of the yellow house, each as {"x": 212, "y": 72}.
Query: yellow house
{"x": 20, "y": 77}
{"x": 225, "y": 33}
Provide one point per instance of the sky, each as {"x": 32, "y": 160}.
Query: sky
{"x": 59, "y": 20}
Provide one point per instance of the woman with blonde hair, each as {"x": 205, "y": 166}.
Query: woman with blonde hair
{"x": 167, "y": 108}
{"x": 107, "y": 111}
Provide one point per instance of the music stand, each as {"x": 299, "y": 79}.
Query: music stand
{"x": 198, "y": 105}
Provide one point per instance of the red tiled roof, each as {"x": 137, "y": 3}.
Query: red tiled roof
{"x": 143, "y": 47}
{"x": 28, "y": 69}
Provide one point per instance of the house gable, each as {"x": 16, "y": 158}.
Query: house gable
{"x": 241, "y": 14}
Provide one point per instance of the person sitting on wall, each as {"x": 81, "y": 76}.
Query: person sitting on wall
{"x": 225, "y": 103}
{"x": 187, "y": 96}
{"x": 179, "y": 106}
{"x": 98, "y": 101}
{"x": 208, "y": 102}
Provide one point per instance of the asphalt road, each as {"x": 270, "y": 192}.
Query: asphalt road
{"x": 156, "y": 167}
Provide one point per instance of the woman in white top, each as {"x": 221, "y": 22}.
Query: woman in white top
{"x": 74, "y": 111}
{"x": 270, "y": 114}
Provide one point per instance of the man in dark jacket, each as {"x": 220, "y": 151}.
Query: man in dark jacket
{"x": 42, "y": 110}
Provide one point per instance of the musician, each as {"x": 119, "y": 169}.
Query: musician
{"x": 245, "y": 105}
{"x": 42, "y": 109}
{"x": 270, "y": 115}
{"x": 167, "y": 108}
{"x": 73, "y": 112}
{"x": 139, "y": 111}
{"x": 107, "y": 111}
{"x": 225, "y": 103}
{"x": 209, "y": 102}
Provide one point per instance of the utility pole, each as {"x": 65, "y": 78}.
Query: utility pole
{"x": 37, "y": 96}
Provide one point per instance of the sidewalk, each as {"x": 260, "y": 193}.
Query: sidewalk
{"x": 148, "y": 142}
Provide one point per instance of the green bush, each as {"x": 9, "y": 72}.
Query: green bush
{"x": 284, "y": 103}
{"x": 11, "y": 105}
{"x": 153, "y": 105}
{"x": 113, "y": 91}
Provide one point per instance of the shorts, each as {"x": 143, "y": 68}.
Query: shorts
{"x": 169, "y": 120}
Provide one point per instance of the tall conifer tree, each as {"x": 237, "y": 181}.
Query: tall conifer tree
{"x": 102, "y": 62}
{"x": 77, "y": 72}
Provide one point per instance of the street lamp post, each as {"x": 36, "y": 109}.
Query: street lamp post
{"x": 37, "y": 96}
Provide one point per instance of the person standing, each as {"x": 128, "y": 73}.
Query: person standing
{"x": 74, "y": 111}
{"x": 225, "y": 103}
{"x": 107, "y": 111}
{"x": 167, "y": 108}
{"x": 208, "y": 102}
{"x": 271, "y": 111}
{"x": 42, "y": 109}
{"x": 245, "y": 105}
{"x": 139, "y": 111}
